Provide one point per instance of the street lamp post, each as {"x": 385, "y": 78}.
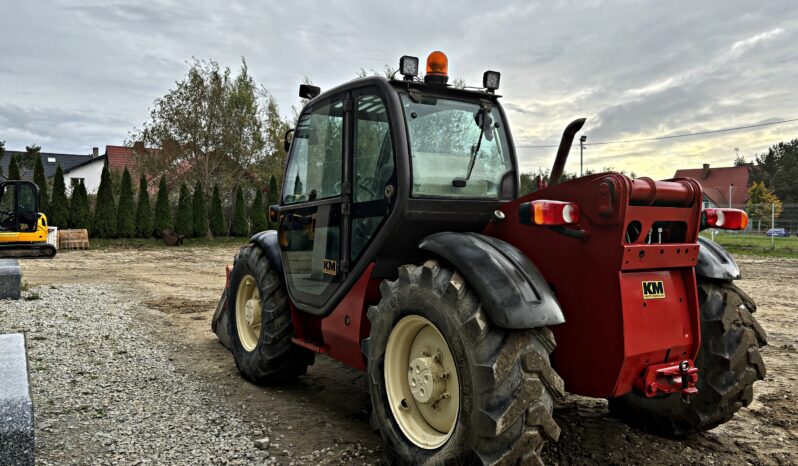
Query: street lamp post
{"x": 582, "y": 140}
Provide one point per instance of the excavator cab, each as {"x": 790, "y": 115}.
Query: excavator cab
{"x": 23, "y": 229}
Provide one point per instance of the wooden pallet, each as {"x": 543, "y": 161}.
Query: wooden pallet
{"x": 73, "y": 239}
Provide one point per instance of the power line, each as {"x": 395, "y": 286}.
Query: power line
{"x": 658, "y": 138}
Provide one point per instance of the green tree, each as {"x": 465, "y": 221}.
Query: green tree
{"x": 199, "y": 211}
{"x": 163, "y": 214}
{"x": 2, "y": 154}
{"x": 58, "y": 209}
{"x": 41, "y": 182}
{"x": 209, "y": 125}
{"x": 184, "y": 224}
{"x": 761, "y": 204}
{"x": 239, "y": 225}
{"x": 125, "y": 213}
{"x": 216, "y": 214}
{"x": 79, "y": 211}
{"x": 778, "y": 170}
{"x": 104, "y": 220}
{"x": 257, "y": 213}
{"x": 13, "y": 169}
{"x": 274, "y": 197}
{"x": 143, "y": 210}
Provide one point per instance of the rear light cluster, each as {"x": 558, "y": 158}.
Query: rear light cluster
{"x": 550, "y": 213}
{"x": 725, "y": 219}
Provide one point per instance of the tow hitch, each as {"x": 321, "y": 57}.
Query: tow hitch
{"x": 669, "y": 378}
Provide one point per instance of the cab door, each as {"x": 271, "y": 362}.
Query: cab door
{"x": 312, "y": 229}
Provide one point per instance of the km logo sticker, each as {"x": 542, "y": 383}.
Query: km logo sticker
{"x": 329, "y": 267}
{"x": 653, "y": 290}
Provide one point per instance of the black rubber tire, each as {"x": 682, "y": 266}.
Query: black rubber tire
{"x": 728, "y": 364}
{"x": 49, "y": 251}
{"x": 275, "y": 359}
{"x": 507, "y": 387}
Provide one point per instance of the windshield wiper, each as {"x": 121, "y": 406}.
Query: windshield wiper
{"x": 485, "y": 122}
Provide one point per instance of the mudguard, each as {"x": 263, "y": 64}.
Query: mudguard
{"x": 715, "y": 262}
{"x": 267, "y": 241}
{"x": 512, "y": 290}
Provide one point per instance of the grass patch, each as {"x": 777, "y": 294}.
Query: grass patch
{"x": 758, "y": 245}
{"x": 157, "y": 243}
{"x": 32, "y": 297}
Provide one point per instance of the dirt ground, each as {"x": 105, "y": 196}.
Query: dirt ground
{"x": 327, "y": 409}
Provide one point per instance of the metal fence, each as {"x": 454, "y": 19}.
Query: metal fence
{"x": 764, "y": 217}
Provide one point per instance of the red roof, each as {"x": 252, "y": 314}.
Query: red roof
{"x": 119, "y": 157}
{"x": 715, "y": 183}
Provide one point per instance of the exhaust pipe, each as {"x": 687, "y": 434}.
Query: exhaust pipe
{"x": 564, "y": 149}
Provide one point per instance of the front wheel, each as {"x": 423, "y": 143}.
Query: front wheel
{"x": 728, "y": 365}
{"x": 259, "y": 322}
{"x": 448, "y": 387}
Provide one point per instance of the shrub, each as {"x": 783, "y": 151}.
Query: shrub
{"x": 216, "y": 215}
{"x": 143, "y": 210}
{"x": 58, "y": 210}
{"x": 257, "y": 214}
{"x": 239, "y": 225}
{"x": 184, "y": 225}
{"x": 79, "y": 211}
{"x": 104, "y": 223}
{"x": 199, "y": 211}
{"x": 125, "y": 213}
{"x": 163, "y": 213}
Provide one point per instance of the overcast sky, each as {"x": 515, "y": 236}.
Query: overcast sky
{"x": 76, "y": 74}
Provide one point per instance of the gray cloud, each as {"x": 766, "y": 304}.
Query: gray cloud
{"x": 80, "y": 73}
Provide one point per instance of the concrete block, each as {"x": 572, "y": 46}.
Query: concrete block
{"x": 16, "y": 405}
{"x": 10, "y": 279}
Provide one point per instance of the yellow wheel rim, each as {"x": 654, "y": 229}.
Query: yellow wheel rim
{"x": 248, "y": 313}
{"x": 421, "y": 381}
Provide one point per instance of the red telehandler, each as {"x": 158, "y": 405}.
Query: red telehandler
{"x": 404, "y": 250}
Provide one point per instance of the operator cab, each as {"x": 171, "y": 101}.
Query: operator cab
{"x": 19, "y": 206}
{"x": 375, "y": 165}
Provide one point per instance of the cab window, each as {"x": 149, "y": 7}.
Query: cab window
{"x": 446, "y": 139}
{"x": 314, "y": 169}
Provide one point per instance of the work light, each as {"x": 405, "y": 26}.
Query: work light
{"x": 408, "y": 66}
{"x": 490, "y": 80}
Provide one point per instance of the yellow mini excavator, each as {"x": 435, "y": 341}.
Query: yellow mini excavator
{"x": 23, "y": 229}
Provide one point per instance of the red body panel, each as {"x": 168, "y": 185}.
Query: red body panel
{"x": 610, "y": 337}
{"x": 339, "y": 334}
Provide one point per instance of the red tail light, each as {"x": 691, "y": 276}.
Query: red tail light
{"x": 553, "y": 213}
{"x": 725, "y": 219}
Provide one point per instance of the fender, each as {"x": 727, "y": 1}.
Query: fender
{"x": 715, "y": 262}
{"x": 513, "y": 291}
{"x": 267, "y": 241}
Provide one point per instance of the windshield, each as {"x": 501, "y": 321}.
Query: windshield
{"x": 444, "y": 138}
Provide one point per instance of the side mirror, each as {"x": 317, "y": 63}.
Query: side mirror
{"x": 287, "y": 138}
{"x": 273, "y": 213}
{"x": 308, "y": 91}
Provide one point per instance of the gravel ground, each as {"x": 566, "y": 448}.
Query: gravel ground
{"x": 114, "y": 391}
{"x": 125, "y": 370}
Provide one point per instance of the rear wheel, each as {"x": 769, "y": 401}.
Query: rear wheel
{"x": 447, "y": 387}
{"x": 259, "y": 322}
{"x": 728, "y": 365}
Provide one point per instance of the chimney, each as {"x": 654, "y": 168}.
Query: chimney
{"x": 705, "y": 173}
{"x": 95, "y": 151}
{"x": 138, "y": 147}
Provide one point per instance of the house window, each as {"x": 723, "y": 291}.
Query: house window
{"x": 50, "y": 159}
{"x": 75, "y": 181}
